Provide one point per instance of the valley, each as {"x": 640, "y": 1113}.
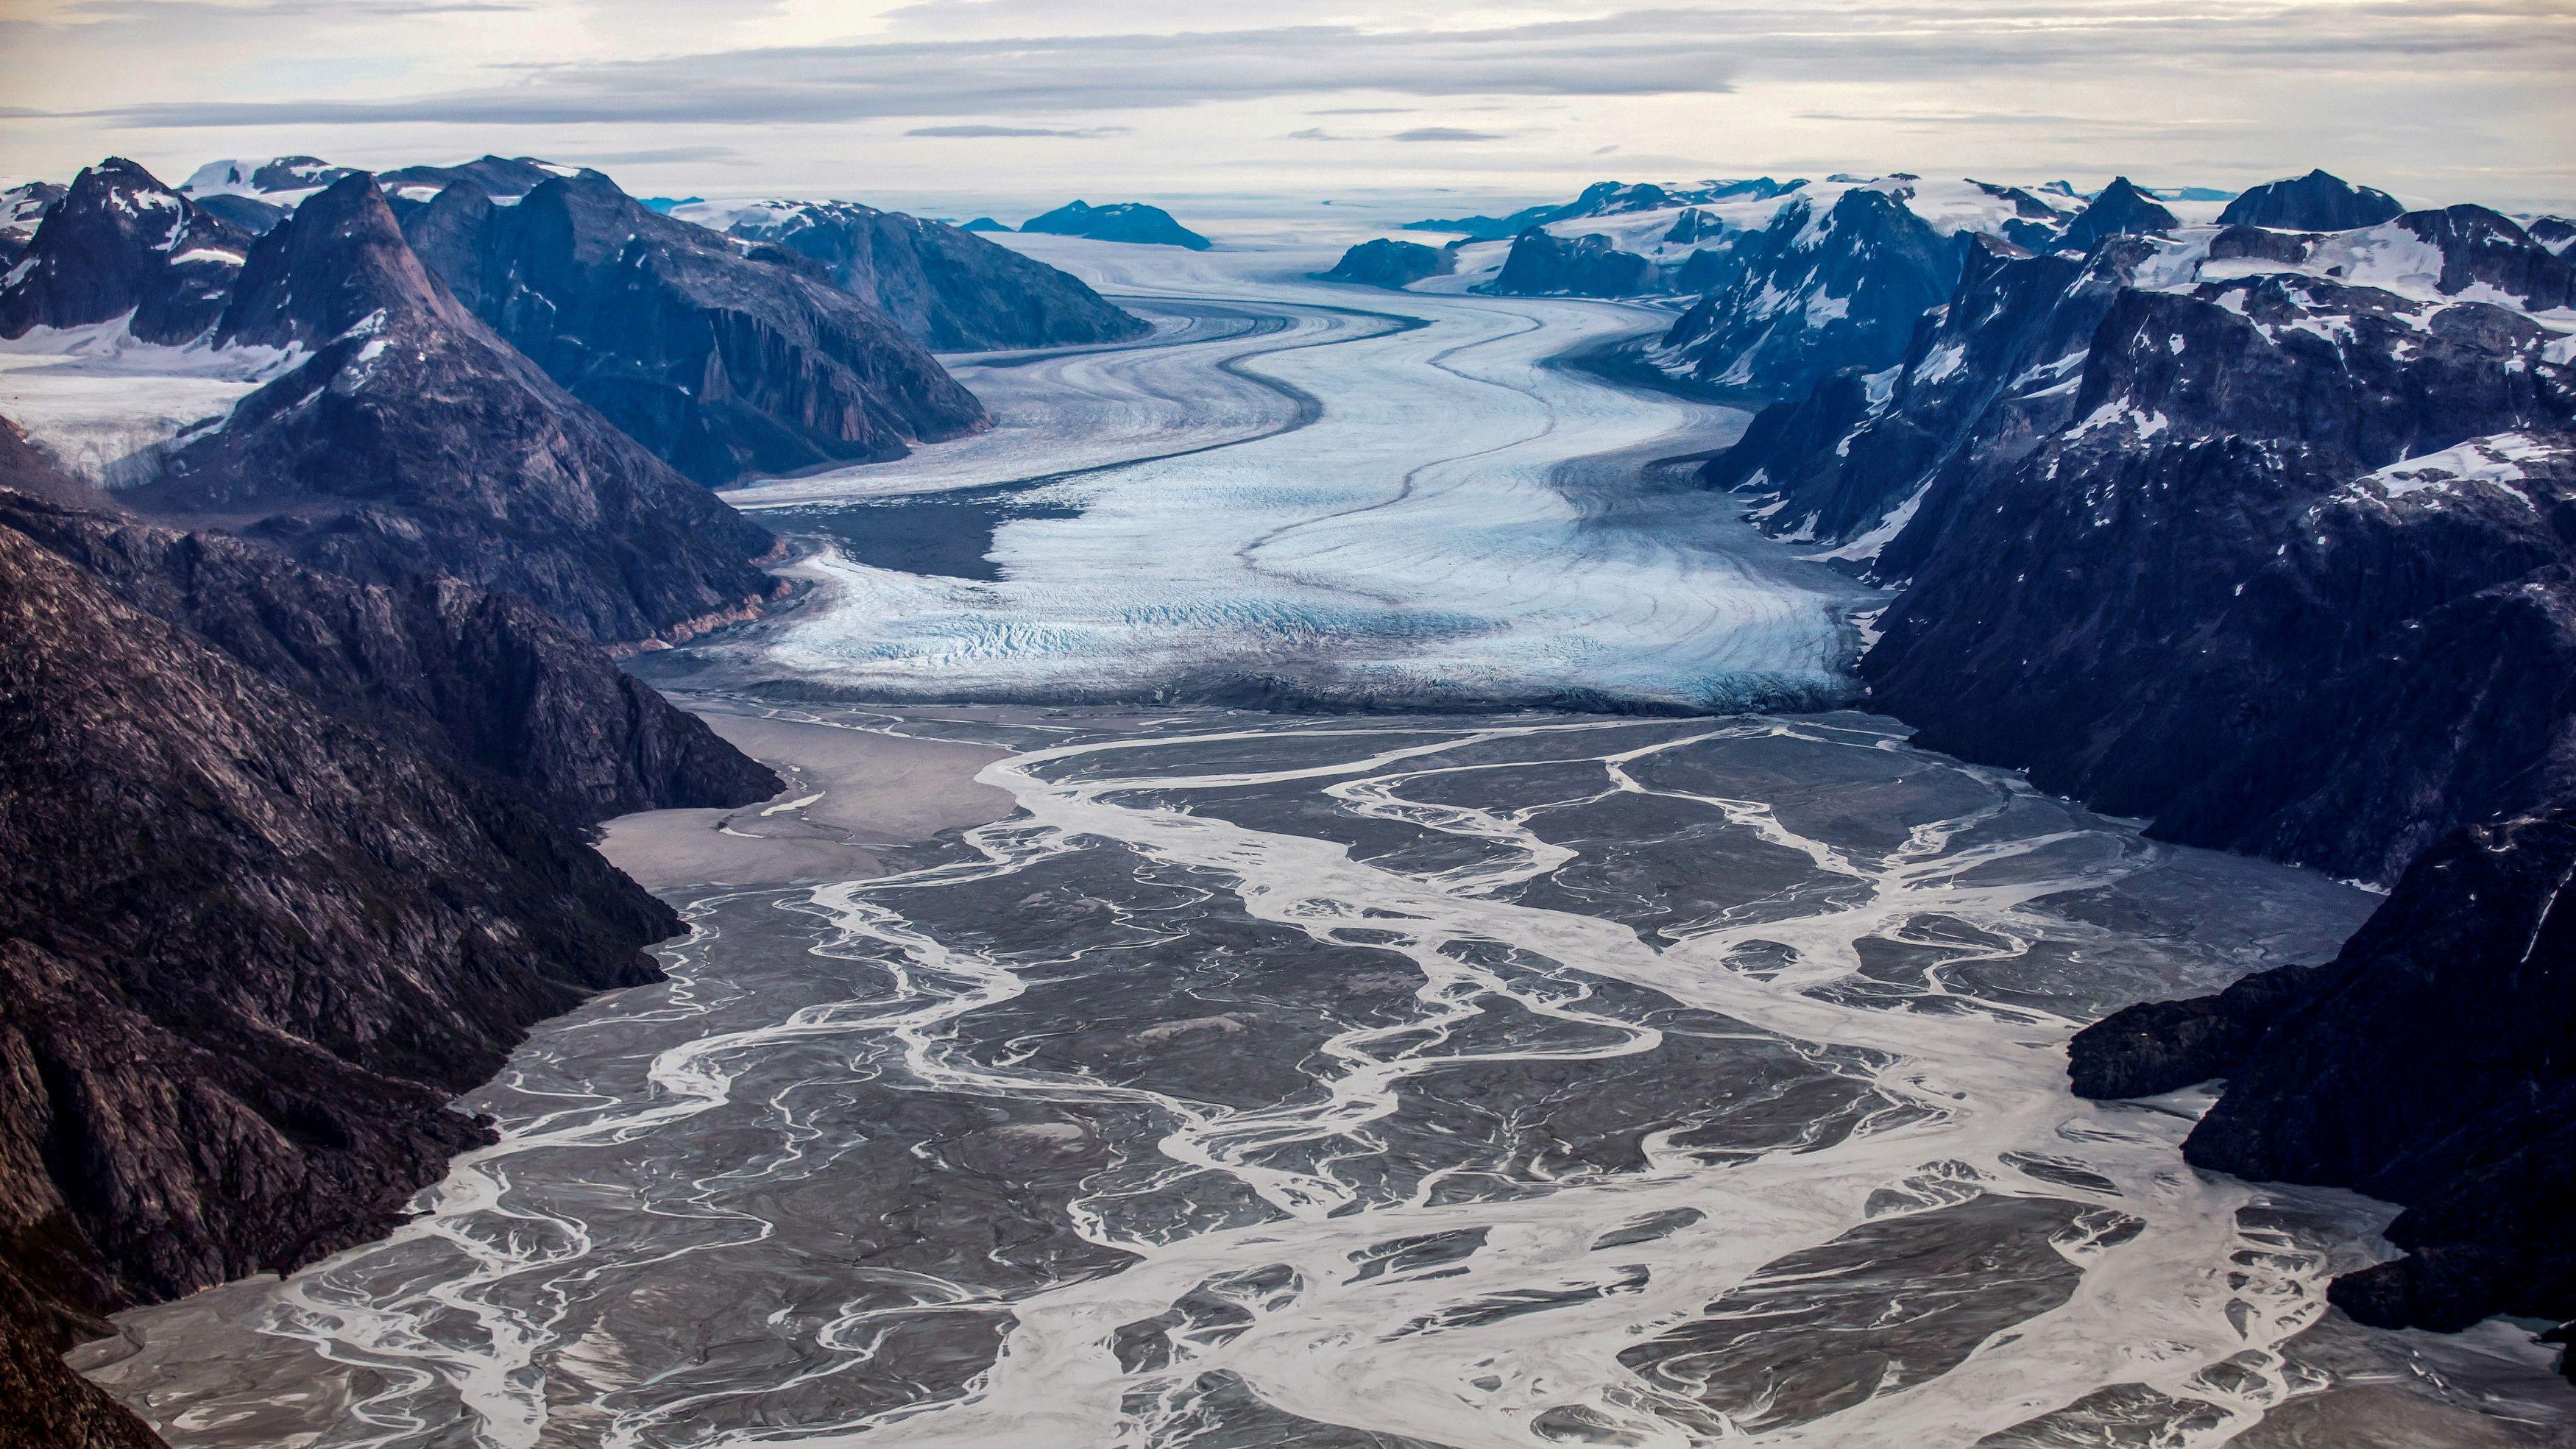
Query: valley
{"x": 1258, "y": 1023}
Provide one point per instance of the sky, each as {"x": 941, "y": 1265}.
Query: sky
{"x": 1003, "y": 104}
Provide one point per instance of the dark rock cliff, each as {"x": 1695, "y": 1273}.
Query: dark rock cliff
{"x": 948, "y": 289}
{"x": 2300, "y": 588}
{"x": 719, "y": 363}
{"x": 485, "y": 681}
{"x": 118, "y": 242}
{"x": 2432, "y": 1063}
{"x": 1121, "y": 221}
{"x": 2318, "y": 201}
{"x": 413, "y": 441}
{"x": 285, "y": 862}
{"x": 1387, "y": 262}
{"x": 247, "y": 952}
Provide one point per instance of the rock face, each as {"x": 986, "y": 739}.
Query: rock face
{"x": 1124, "y": 221}
{"x": 51, "y": 1407}
{"x": 2556, "y": 233}
{"x": 2281, "y": 559}
{"x": 274, "y": 891}
{"x": 1387, "y": 262}
{"x": 2318, "y": 201}
{"x": 1543, "y": 264}
{"x": 2427, "y": 1064}
{"x": 947, "y": 289}
{"x": 21, "y": 209}
{"x": 483, "y": 681}
{"x": 250, "y": 944}
{"x": 118, "y": 242}
{"x": 719, "y": 363}
{"x": 1815, "y": 291}
{"x": 413, "y": 441}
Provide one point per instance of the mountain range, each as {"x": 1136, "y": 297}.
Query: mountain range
{"x": 2265, "y": 533}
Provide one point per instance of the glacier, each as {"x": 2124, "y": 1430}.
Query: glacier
{"x": 1338, "y": 496}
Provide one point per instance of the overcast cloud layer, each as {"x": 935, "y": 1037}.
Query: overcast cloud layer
{"x": 1027, "y": 99}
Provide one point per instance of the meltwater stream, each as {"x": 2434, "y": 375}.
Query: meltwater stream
{"x": 1507, "y": 1081}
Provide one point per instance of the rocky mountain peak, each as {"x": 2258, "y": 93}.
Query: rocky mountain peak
{"x": 2120, "y": 209}
{"x": 119, "y": 242}
{"x": 2318, "y": 201}
{"x": 338, "y": 261}
{"x": 1820, "y": 288}
{"x": 2479, "y": 247}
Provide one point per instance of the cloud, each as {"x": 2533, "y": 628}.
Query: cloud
{"x": 666, "y": 154}
{"x": 1444, "y": 133}
{"x": 979, "y": 133}
{"x": 1676, "y": 50}
{"x": 113, "y": 12}
{"x": 1019, "y": 76}
{"x": 1314, "y": 133}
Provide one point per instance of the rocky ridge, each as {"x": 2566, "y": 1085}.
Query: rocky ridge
{"x": 721, "y": 364}
{"x": 1122, "y": 221}
{"x": 1387, "y": 262}
{"x": 2362, "y": 437}
{"x": 22, "y": 209}
{"x": 948, "y": 289}
{"x": 412, "y": 440}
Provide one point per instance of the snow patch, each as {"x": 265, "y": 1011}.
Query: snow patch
{"x": 1866, "y": 548}
{"x": 2493, "y": 462}
{"x": 1943, "y": 362}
